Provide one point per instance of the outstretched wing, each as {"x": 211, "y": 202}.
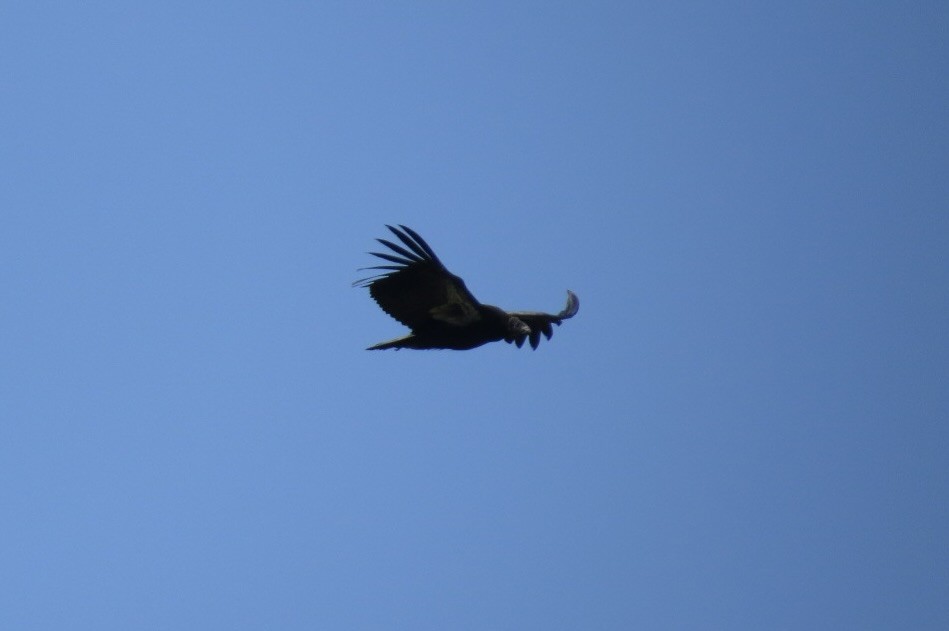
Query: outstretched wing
{"x": 542, "y": 322}
{"x": 418, "y": 288}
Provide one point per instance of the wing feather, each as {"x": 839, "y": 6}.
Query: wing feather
{"x": 414, "y": 243}
{"x": 419, "y": 289}
{"x": 393, "y": 258}
{"x": 541, "y": 323}
{"x": 412, "y": 256}
{"x": 421, "y": 242}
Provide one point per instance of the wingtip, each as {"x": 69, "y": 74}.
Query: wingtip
{"x": 573, "y": 305}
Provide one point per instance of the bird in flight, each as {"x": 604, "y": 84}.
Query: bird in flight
{"x": 420, "y": 292}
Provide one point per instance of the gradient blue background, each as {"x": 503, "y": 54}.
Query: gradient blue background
{"x": 746, "y": 427}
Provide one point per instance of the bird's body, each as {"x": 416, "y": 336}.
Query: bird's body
{"x": 420, "y": 292}
{"x": 489, "y": 327}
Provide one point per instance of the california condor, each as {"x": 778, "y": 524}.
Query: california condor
{"x": 420, "y": 292}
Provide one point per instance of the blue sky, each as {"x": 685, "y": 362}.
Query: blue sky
{"x": 745, "y": 427}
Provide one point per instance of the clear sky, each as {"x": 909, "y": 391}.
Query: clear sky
{"x": 745, "y": 427}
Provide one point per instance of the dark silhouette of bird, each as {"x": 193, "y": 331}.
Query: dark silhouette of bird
{"x": 420, "y": 292}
